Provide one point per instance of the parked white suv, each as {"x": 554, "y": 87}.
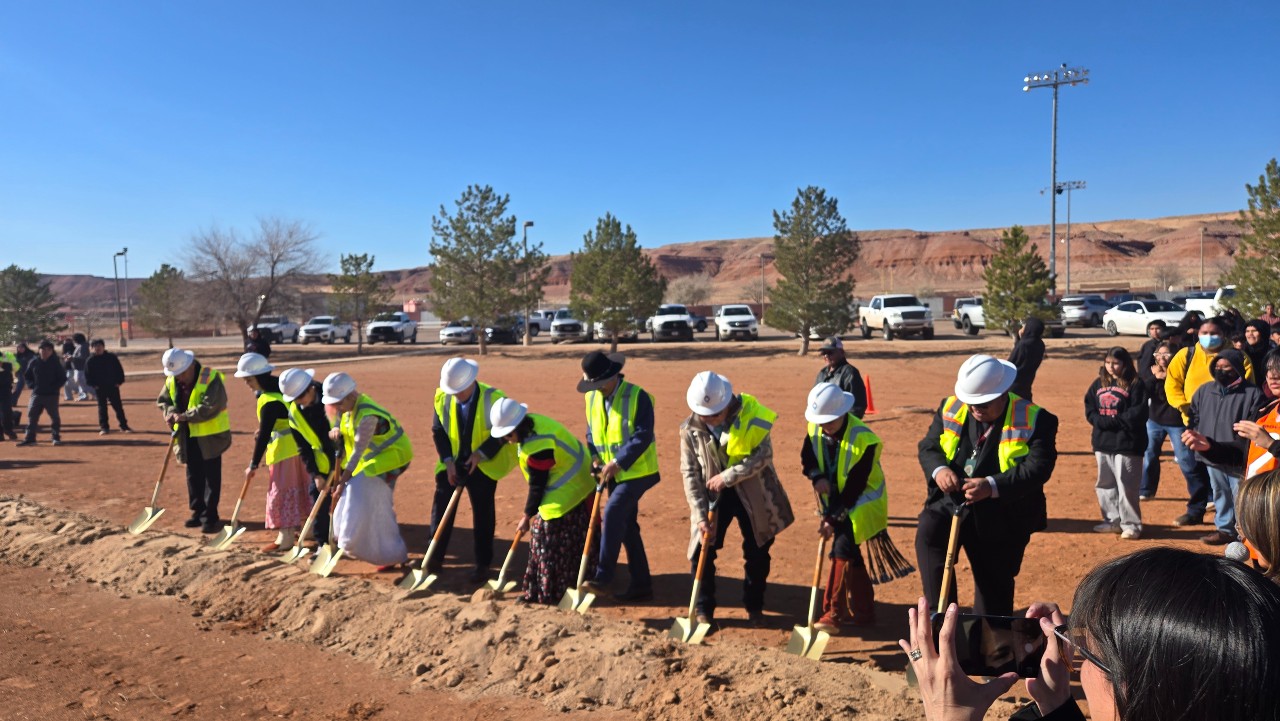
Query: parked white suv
{"x": 896, "y": 315}
{"x": 671, "y": 321}
{"x": 736, "y": 321}
{"x": 968, "y": 315}
{"x": 567, "y": 328}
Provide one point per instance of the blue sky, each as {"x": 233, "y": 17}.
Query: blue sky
{"x": 136, "y": 124}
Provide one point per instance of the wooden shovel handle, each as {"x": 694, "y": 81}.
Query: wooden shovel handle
{"x": 164, "y": 467}
{"x": 822, "y": 556}
{"x": 707, "y": 540}
{"x": 949, "y": 566}
{"x": 447, "y": 518}
{"x": 595, "y": 516}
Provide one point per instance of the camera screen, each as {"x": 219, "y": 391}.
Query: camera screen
{"x": 994, "y": 645}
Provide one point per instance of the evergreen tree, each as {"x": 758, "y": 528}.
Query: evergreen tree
{"x": 1257, "y": 269}
{"x": 1017, "y": 282}
{"x": 358, "y": 292}
{"x": 164, "y": 306}
{"x": 612, "y": 281}
{"x": 28, "y": 309}
{"x": 814, "y": 253}
{"x": 479, "y": 267}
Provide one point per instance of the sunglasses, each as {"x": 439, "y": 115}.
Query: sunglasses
{"x": 1075, "y": 638}
{"x": 983, "y": 406}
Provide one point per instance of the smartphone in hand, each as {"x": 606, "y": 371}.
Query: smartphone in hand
{"x": 994, "y": 645}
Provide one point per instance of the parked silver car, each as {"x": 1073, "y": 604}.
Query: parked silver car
{"x": 1084, "y": 310}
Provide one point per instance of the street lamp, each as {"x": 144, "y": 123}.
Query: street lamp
{"x": 1068, "y": 186}
{"x": 128, "y": 317}
{"x": 1055, "y": 79}
{"x": 119, "y": 319}
{"x": 528, "y": 292}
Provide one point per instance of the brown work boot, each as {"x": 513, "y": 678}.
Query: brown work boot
{"x": 862, "y": 595}
{"x": 835, "y": 600}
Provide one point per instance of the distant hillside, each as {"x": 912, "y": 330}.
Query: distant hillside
{"x": 1112, "y": 254}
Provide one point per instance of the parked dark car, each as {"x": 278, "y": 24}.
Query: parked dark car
{"x": 507, "y": 331}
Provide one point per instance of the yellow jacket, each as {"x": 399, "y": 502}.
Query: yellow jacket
{"x": 1186, "y": 375}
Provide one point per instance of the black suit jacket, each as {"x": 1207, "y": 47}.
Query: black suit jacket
{"x": 1021, "y": 504}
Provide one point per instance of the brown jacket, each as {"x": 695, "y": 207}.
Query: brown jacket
{"x": 213, "y": 403}
{"x": 754, "y": 479}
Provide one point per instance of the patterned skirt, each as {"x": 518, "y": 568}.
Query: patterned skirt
{"x": 555, "y": 552}
{"x": 288, "y": 497}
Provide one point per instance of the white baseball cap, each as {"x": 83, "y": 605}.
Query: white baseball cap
{"x": 458, "y": 374}
{"x": 827, "y": 403}
{"x": 176, "y": 360}
{"x": 983, "y": 379}
{"x": 294, "y": 382}
{"x": 336, "y": 387}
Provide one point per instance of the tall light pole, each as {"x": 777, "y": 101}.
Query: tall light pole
{"x": 1055, "y": 79}
{"x": 528, "y": 291}
{"x": 1067, "y": 186}
{"x": 115, "y": 270}
{"x": 128, "y": 320}
{"x": 1202, "y": 257}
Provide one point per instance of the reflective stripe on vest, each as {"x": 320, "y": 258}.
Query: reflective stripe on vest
{"x": 1015, "y": 436}
{"x": 611, "y": 429}
{"x": 570, "y": 478}
{"x": 221, "y": 423}
{"x": 298, "y": 422}
{"x": 749, "y": 429}
{"x": 387, "y": 451}
{"x": 870, "y": 513}
{"x": 1260, "y": 459}
{"x": 281, "y": 445}
{"x": 446, "y": 407}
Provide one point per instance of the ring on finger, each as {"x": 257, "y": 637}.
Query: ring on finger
{"x": 914, "y": 654}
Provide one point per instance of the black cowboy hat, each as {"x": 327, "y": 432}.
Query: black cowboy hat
{"x": 599, "y": 368}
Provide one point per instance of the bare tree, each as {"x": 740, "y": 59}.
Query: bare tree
{"x": 1167, "y": 276}
{"x": 689, "y": 289}
{"x": 242, "y": 276}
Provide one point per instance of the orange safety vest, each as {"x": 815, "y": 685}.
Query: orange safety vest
{"x": 1260, "y": 459}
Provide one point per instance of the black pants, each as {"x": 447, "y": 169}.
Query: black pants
{"x": 6, "y": 415}
{"x": 320, "y": 529}
{"x": 756, "y": 558}
{"x": 112, "y": 394}
{"x": 480, "y": 489}
{"x": 204, "y": 482}
{"x": 994, "y": 552}
{"x": 36, "y": 405}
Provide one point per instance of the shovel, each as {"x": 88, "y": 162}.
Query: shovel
{"x": 327, "y": 556}
{"x": 687, "y": 629}
{"x": 418, "y": 578}
{"x": 299, "y": 551}
{"x": 231, "y": 532}
{"x": 502, "y": 586}
{"x": 152, "y": 512}
{"x": 949, "y": 566}
{"x": 805, "y": 640}
{"x": 575, "y": 599}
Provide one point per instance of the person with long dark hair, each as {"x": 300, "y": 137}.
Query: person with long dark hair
{"x": 1116, "y": 406}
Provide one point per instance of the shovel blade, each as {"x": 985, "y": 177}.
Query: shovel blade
{"x": 688, "y": 630}
{"x": 325, "y": 561}
{"x": 418, "y": 580}
{"x": 807, "y": 642}
{"x": 297, "y": 553}
{"x": 145, "y": 519}
{"x": 225, "y": 537}
{"x": 577, "y": 600}
{"x": 500, "y": 587}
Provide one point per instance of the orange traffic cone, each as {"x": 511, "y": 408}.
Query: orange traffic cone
{"x": 871, "y": 402}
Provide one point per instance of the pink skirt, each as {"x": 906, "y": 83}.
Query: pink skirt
{"x": 288, "y": 498}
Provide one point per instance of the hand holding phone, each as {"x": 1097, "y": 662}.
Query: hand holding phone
{"x": 995, "y": 645}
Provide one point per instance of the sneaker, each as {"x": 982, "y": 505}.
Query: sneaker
{"x": 126, "y": 429}
{"x": 1189, "y": 519}
{"x": 1217, "y": 538}
{"x": 103, "y": 432}
{"x": 1131, "y": 534}
{"x": 56, "y": 442}
{"x": 1145, "y": 496}
{"x": 1107, "y": 528}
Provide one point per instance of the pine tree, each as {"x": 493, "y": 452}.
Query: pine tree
{"x": 479, "y": 267}
{"x": 358, "y": 292}
{"x": 1017, "y": 282}
{"x": 613, "y": 282}
{"x": 814, "y": 253}
{"x": 164, "y": 305}
{"x": 28, "y": 309}
{"x": 1256, "y": 274}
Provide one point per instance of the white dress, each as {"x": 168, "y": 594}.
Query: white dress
{"x": 365, "y": 522}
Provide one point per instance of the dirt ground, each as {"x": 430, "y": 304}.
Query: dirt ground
{"x": 101, "y": 624}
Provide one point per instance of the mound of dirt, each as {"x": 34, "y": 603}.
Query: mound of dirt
{"x": 487, "y": 648}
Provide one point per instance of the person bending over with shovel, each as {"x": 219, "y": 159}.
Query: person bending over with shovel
{"x": 726, "y": 455}
{"x": 310, "y": 427}
{"x": 376, "y": 452}
{"x": 841, "y": 455}
{"x": 274, "y": 444}
{"x": 557, "y": 511}
{"x": 194, "y": 401}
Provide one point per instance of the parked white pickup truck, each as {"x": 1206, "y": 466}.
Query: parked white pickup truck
{"x": 1209, "y": 307}
{"x": 327, "y": 329}
{"x": 277, "y": 328}
{"x": 395, "y": 327}
{"x": 896, "y": 315}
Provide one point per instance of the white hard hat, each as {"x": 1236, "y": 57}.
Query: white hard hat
{"x": 338, "y": 386}
{"x": 294, "y": 382}
{"x": 252, "y": 364}
{"x": 827, "y": 403}
{"x": 505, "y": 415}
{"x": 709, "y": 393}
{"x": 983, "y": 379}
{"x": 176, "y": 361}
{"x": 457, "y": 375}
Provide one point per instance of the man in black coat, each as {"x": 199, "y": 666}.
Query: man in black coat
{"x": 839, "y": 371}
{"x": 989, "y": 454}
{"x": 1027, "y": 355}
{"x": 45, "y": 377}
{"x": 105, "y": 375}
{"x": 258, "y": 343}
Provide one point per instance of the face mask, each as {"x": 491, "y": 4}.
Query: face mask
{"x": 1225, "y": 378}
{"x": 1210, "y": 341}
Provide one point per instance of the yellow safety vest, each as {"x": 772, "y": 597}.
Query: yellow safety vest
{"x": 387, "y": 451}
{"x": 749, "y": 429}
{"x": 1015, "y": 436}
{"x": 298, "y": 422}
{"x": 611, "y": 429}
{"x": 220, "y": 423}
{"x": 281, "y": 446}
{"x": 570, "y": 480}
{"x": 870, "y": 513}
{"x": 447, "y": 411}
{"x": 12, "y": 359}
